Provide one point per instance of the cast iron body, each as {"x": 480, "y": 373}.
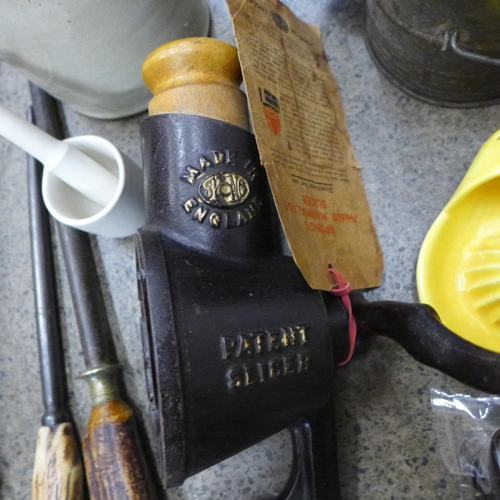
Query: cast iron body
{"x": 237, "y": 345}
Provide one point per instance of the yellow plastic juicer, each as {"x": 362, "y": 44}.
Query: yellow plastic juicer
{"x": 458, "y": 269}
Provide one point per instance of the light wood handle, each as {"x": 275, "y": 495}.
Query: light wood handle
{"x": 58, "y": 473}
{"x": 114, "y": 463}
{"x": 199, "y": 76}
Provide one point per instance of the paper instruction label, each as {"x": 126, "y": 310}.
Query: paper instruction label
{"x": 303, "y": 143}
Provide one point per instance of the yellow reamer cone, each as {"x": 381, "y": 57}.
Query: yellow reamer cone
{"x": 458, "y": 269}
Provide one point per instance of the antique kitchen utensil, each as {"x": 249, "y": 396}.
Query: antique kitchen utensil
{"x": 87, "y": 183}
{"x": 58, "y": 472}
{"x": 114, "y": 462}
{"x": 444, "y": 52}
{"x": 458, "y": 271}
{"x": 115, "y": 465}
{"x": 237, "y": 345}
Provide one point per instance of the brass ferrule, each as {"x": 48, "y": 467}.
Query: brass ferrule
{"x": 103, "y": 383}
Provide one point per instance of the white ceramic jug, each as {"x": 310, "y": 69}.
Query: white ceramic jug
{"x": 89, "y": 53}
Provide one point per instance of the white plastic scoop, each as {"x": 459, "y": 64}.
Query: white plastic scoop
{"x": 87, "y": 183}
{"x": 60, "y": 158}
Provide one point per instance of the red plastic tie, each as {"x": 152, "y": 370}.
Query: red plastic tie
{"x": 342, "y": 289}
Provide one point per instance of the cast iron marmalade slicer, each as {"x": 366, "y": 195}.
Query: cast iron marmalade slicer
{"x": 237, "y": 345}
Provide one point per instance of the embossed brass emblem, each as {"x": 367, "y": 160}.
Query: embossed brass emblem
{"x": 218, "y": 195}
{"x": 224, "y": 190}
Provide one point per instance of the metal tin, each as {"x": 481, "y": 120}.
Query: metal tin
{"x": 443, "y": 52}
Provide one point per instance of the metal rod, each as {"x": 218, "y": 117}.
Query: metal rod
{"x": 58, "y": 471}
{"x": 115, "y": 465}
{"x": 93, "y": 325}
{"x": 90, "y": 311}
{"x": 50, "y": 349}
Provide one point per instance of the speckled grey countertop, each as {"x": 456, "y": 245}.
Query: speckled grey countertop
{"x": 413, "y": 156}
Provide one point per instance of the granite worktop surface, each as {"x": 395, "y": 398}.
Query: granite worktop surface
{"x": 413, "y": 156}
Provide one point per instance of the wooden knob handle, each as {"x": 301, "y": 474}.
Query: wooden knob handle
{"x": 191, "y": 60}
{"x": 198, "y": 76}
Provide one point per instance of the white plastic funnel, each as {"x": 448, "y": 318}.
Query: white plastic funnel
{"x": 87, "y": 182}
{"x": 121, "y": 216}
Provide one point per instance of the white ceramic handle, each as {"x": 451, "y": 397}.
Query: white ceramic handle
{"x": 62, "y": 159}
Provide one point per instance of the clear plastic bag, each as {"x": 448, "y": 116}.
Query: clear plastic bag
{"x": 468, "y": 431}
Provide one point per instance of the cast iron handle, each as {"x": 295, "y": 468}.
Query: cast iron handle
{"x": 451, "y": 42}
{"x": 416, "y": 327}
